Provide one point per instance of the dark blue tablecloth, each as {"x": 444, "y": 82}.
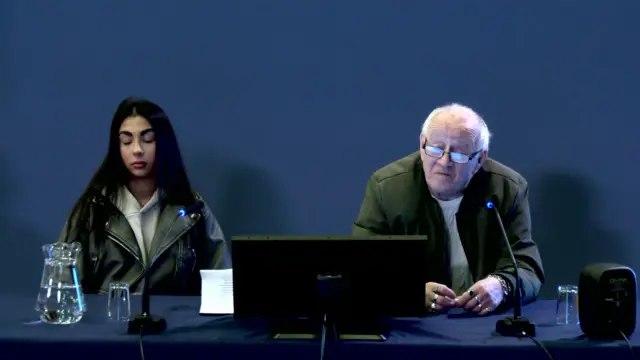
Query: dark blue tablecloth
{"x": 191, "y": 336}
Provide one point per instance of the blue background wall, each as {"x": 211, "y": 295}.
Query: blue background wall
{"x": 284, "y": 108}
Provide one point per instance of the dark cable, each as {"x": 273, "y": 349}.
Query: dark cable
{"x": 336, "y": 340}
{"x": 141, "y": 346}
{"x": 626, "y": 339}
{"x": 323, "y": 339}
{"x": 540, "y": 345}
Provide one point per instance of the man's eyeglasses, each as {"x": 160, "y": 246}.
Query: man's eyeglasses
{"x": 457, "y": 157}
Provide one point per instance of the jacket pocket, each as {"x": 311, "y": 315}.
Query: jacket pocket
{"x": 91, "y": 270}
{"x": 95, "y": 262}
{"x": 186, "y": 259}
{"x": 185, "y": 266}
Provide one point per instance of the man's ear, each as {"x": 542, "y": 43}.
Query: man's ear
{"x": 423, "y": 140}
{"x": 482, "y": 157}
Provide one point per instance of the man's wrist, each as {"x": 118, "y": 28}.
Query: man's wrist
{"x": 506, "y": 289}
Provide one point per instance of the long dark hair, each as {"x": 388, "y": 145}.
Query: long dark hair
{"x": 171, "y": 178}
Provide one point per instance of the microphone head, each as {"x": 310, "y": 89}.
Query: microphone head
{"x": 489, "y": 204}
{"x": 191, "y": 209}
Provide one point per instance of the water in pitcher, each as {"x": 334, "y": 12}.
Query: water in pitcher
{"x": 60, "y": 300}
{"x": 63, "y": 308}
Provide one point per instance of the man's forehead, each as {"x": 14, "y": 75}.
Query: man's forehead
{"x": 458, "y": 128}
{"x": 462, "y": 137}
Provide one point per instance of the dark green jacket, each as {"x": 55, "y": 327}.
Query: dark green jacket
{"x": 398, "y": 202}
{"x": 111, "y": 253}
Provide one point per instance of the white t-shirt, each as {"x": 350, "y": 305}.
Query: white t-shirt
{"x": 142, "y": 219}
{"x": 461, "y": 276}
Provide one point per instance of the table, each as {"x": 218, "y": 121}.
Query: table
{"x": 191, "y": 336}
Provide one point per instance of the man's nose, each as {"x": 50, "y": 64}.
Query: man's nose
{"x": 445, "y": 160}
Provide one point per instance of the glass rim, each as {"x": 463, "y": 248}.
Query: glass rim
{"x": 567, "y": 288}
{"x": 118, "y": 285}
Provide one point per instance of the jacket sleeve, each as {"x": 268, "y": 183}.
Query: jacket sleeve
{"x": 215, "y": 250}
{"x": 517, "y": 223}
{"x": 371, "y": 220}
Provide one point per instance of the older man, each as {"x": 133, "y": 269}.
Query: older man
{"x": 441, "y": 191}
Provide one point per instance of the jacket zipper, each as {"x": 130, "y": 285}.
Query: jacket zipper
{"x": 169, "y": 244}
{"x": 158, "y": 253}
{"x": 118, "y": 241}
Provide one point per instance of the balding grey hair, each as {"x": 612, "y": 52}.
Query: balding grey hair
{"x": 462, "y": 112}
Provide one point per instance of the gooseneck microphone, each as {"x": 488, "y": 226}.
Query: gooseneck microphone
{"x": 516, "y": 325}
{"x": 145, "y": 323}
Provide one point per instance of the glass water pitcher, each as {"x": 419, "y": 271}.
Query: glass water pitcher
{"x": 60, "y": 300}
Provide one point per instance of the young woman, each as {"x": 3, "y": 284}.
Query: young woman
{"x": 139, "y": 213}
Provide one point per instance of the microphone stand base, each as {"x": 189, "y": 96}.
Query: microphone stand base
{"x": 515, "y": 327}
{"x": 145, "y": 324}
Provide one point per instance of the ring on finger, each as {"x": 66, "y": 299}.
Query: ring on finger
{"x": 433, "y": 306}
{"x": 478, "y": 300}
{"x": 435, "y": 297}
{"x": 436, "y": 290}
